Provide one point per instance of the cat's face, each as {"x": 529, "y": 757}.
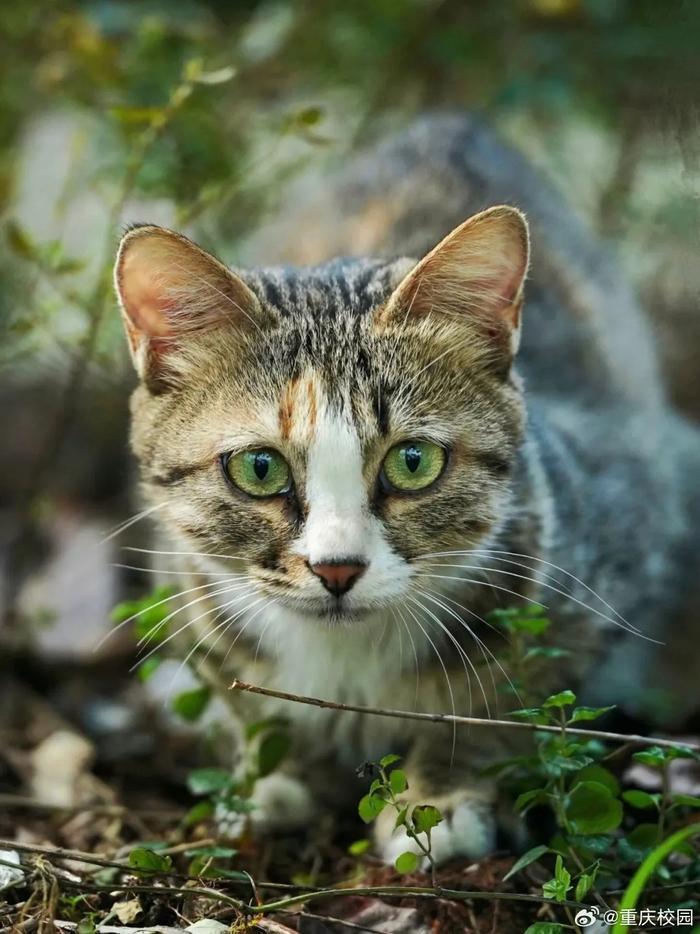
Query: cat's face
{"x": 319, "y": 431}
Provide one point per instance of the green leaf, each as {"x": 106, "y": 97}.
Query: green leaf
{"x": 558, "y": 887}
{"x": 641, "y": 799}
{"x": 530, "y": 857}
{"x": 557, "y": 765}
{"x": 273, "y": 748}
{"x": 359, "y": 847}
{"x": 202, "y": 811}
{"x": 210, "y": 781}
{"x": 407, "y": 862}
{"x": 388, "y": 760}
{"x": 401, "y": 817}
{"x": 583, "y": 886}
{"x": 212, "y": 852}
{"x": 86, "y": 926}
{"x": 592, "y": 809}
{"x": 398, "y": 781}
{"x": 148, "y": 667}
{"x": 545, "y": 927}
{"x": 148, "y": 861}
{"x": 656, "y": 756}
{"x": 237, "y": 804}
{"x": 425, "y": 817}
{"x": 596, "y": 773}
{"x": 528, "y": 798}
{"x": 190, "y": 705}
{"x": 531, "y": 714}
{"x": 588, "y": 713}
{"x": 370, "y": 807}
{"x": 271, "y": 723}
{"x": 562, "y": 699}
{"x": 598, "y": 844}
{"x": 687, "y": 800}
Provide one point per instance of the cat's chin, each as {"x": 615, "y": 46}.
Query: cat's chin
{"x": 337, "y": 613}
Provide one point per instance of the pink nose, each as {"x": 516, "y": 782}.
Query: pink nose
{"x": 338, "y": 578}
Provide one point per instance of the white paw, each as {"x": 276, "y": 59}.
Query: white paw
{"x": 467, "y": 829}
{"x": 280, "y": 802}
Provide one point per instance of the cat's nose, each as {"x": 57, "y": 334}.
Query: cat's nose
{"x": 339, "y": 577}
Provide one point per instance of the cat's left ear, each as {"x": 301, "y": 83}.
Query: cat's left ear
{"x": 476, "y": 274}
{"x": 170, "y": 289}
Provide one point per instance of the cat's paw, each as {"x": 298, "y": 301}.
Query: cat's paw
{"x": 468, "y": 829}
{"x": 279, "y": 802}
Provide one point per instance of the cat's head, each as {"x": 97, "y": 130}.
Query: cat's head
{"x": 319, "y": 430}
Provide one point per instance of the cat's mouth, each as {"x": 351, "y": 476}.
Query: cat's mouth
{"x": 338, "y": 610}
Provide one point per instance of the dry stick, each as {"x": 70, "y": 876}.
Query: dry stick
{"x": 81, "y": 857}
{"x": 467, "y": 721}
{"x": 388, "y": 891}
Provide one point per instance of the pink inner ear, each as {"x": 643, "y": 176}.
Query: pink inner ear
{"x": 144, "y": 299}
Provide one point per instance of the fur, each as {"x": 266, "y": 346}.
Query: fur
{"x": 565, "y": 454}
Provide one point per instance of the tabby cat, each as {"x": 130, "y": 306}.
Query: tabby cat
{"x": 358, "y": 465}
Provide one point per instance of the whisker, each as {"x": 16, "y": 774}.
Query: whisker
{"x": 239, "y": 585}
{"x": 242, "y": 629}
{"x": 444, "y": 671}
{"x": 210, "y": 632}
{"x": 399, "y": 610}
{"x": 485, "y": 650}
{"x": 185, "y": 554}
{"x": 151, "y": 606}
{"x": 557, "y": 590}
{"x": 462, "y": 655}
{"x": 550, "y": 564}
{"x": 175, "y": 634}
{"x": 127, "y": 523}
{"x": 197, "y": 573}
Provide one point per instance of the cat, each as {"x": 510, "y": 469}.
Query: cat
{"x": 357, "y": 462}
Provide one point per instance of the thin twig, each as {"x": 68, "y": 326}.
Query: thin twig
{"x": 80, "y": 856}
{"x": 281, "y": 904}
{"x": 467, "y": 721}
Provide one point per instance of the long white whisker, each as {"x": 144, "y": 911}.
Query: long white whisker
{"x": 185, "y": 554}
{"x": 127, "y": 523}
{"x": 462, "y": 655}
{"x": 151, "y": 606}
{"x": 175, "y": 634}
{"x": 206, "y": 635}
{"x": 555, "y": 567}
{"x": 399, "y": 610}
{"x": 151, "y": 634}
{"x": 485, "y": 650}
{"x": 444, "y": 671}
{"x": 244, "y": 626}
{"x": 197, "y": 573}
{"x": 557, "y": 590}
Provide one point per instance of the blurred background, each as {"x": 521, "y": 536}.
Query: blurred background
{"x": 199, "y": 115}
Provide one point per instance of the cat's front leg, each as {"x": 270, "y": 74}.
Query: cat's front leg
{"x": 279, "y": 802}
{"x": 455, "y": 785}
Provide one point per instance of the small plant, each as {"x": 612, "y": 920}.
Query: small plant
{"x": 566, "y": 775}
{"x": 227, "y": 795}
{"x": 418, "y": 821}
{"x": 524, "y": 626}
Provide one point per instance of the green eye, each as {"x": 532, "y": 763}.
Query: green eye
{"x": 413, "y": 465}
{"x": 259, "y": 472}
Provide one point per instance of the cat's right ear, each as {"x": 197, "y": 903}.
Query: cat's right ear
{"x": 169, "y": 289}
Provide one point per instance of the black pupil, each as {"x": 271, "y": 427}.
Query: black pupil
{"x": 412, "y": 457}
{"x": 261, "y": 465}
